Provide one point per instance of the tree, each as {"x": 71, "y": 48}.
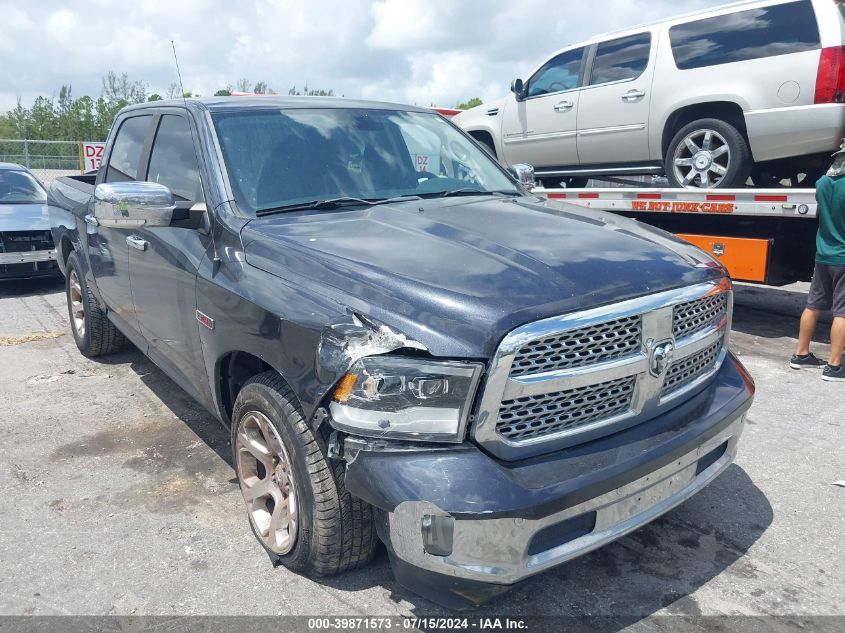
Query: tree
{"x": 243, "y": 84}
{"x": 308, "y": 92}
{"x": 223, "y": 92}
{"x": 154, "y": 97}
{"x": 173, "y": 91}
{"x": 475, "y": 101}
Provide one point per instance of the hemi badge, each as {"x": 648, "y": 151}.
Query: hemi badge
{"x": 206, "y": 320}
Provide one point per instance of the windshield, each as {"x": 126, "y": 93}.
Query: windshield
{"x": 281, "y": 158}
{"x": 19, "y": 187}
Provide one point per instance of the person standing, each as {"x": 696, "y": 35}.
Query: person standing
{"x": 827, "y": 291}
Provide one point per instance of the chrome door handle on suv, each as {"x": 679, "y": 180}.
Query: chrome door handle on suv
{"x": 633, "y": 95}
{"x": 136, "y": 242}
{"x": 563, "y": 106}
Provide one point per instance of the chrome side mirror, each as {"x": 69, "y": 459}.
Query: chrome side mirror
{"x": 133, "y": 204}
{"x": 524, "y": 174}
{"x": 518, "y": 89}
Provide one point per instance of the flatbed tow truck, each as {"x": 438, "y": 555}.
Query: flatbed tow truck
{"x": 763, "y": 236}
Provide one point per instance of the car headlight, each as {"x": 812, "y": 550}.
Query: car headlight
{"x": 405, "y": 398}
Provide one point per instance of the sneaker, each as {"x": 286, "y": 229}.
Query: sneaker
{"x": 806, "y": 362}
{"x": 834, "y": 374}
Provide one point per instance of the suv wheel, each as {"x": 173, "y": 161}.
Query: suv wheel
{"x": 298, "y": 506}
{"x": 708, "y": 154}
{"x": 92, "y": 331}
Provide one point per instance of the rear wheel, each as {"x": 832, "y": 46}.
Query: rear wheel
{"x": 92, "y": 331}
{"x": 296, "y": 499}
{"x": 708, "y": 154}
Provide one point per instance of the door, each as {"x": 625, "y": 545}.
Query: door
{"x": 108, "y": 251}
{"x": 541, "y": 128}
{"x": 613, "y": 112}
{"x": 163, "y": 260}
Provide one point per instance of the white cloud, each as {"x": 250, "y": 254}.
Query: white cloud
{"x": 416, "y": 51}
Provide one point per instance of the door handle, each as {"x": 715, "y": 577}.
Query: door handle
{"x": 563, "y": 106}
{"x": 136, "y": 242}
{"x": 90, "y": 220}
{"x": 633, "y": 95}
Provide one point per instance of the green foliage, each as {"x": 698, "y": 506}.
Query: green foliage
{"x": 66, "y": 118}
{"x": 87, "y": 118}
{"x": 308, "y": 92}
{"x": 475, "y": 101}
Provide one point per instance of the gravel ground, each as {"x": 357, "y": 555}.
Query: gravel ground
{"x": 117, "y": 496}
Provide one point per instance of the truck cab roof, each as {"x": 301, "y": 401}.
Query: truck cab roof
{"x": 215, "y": 104}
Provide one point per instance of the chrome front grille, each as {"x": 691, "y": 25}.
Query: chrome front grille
{"x": 694, "y": 316}
{"x": 568, "y": 379}
{"x": 580, "y": 347}
{"x": 533, "y": 416}
{"x": 685, "y": 370}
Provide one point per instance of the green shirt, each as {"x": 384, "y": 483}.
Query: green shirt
{"x": 830, "y": 240}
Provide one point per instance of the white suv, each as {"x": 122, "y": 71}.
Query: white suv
{"x": 749, "y": 89}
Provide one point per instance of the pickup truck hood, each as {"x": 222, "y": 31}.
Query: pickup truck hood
{"x": 24, "y": 217}
{"x": 457, "y": 274}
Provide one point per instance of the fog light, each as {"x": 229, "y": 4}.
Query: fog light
{"x": 437, "y": 532}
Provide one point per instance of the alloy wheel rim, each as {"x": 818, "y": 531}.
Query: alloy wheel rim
{"x": 701, "y": 159}
{"x": 77, "y": 305}
{"x": 267, "y": 484}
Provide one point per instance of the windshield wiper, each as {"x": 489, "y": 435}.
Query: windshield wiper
{"x": 335, "y": 203}
{"x": 468, "y": 191}
{"x": 331, "y": 203}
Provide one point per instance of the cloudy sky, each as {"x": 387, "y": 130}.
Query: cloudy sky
{"x": 416, "y": 51}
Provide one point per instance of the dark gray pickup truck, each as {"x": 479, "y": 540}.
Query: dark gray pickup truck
{"x": 406, "y": 344}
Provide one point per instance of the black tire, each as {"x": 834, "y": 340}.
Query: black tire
{"x": 558, "y": 183}
{"x": 335, "y": 531}
{"x": 488, "y": 145}
{"x": 766, "y": 179}
{"x": 97, "y": 335}
{"x": 737, "y": 164}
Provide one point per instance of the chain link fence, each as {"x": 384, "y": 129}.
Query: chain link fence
{"x": 46, "y": 159}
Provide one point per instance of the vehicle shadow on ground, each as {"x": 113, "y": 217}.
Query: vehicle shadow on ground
{"x": 656, "y": 567}
{"x": 765, "y": 324}
{"x": 31, "y": 287}
{"x": 194, "y": 416}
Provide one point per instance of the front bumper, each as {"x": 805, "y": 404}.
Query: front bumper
{"x": 503, "y": 522}
{"x": 795, "y": 131}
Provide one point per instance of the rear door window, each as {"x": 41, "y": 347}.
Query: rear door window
{"x": 751, "y": 34}
{"x": 621, "y": 59}
{"x": 560, "y": 73}
{"x": 126, "y": 150}
{"x": 173, "y": 160}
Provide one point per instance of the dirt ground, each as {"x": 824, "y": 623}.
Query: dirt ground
{"x": 117, "y": 496}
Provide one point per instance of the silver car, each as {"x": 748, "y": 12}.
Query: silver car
{"x": 753, "y": 89}
{"x": 26, "y": 244}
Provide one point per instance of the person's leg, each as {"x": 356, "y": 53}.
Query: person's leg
{"x": 837, "y": 341}
{"x": 809, "y": 320}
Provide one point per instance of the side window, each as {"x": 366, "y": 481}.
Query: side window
{"x": 557, "y": 74}
{"x": 744, "y": 35}
{"x": 126, "y": 150}
{"x": 618, "y": 60}
{"x": 173, "y": 160}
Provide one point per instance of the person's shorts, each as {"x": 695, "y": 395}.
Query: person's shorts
{"x": 827, "y": 292}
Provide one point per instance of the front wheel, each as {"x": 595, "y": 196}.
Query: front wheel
{"x": 708, "y": 154}
{"x": 296, "y": 499}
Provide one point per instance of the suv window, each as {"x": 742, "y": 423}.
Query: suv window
{"x": 126, "y": 150}
{"x": 173, "y": 160}
{"x": 618, "y": 60}
{"x": 744, "y": 35}
{"x": 558, "y": 74}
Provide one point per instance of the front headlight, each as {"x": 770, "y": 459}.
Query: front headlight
{"x": 407, "y": 398}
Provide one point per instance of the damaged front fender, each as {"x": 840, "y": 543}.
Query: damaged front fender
{"x": 352, "y": 337}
